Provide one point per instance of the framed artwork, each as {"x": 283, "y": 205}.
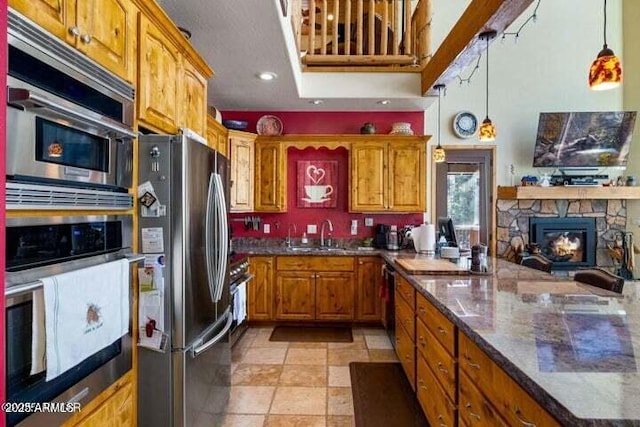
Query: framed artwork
{"x": 283, "y": 5}
{"x": 317, "y": 182}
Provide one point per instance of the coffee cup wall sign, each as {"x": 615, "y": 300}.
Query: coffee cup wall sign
{"x": 317, "y": 181}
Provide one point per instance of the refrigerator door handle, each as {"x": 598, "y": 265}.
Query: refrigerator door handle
{"x": 205, "y": 346}
{"x": 223, "y": 237}
{"x": 208, "y": 231}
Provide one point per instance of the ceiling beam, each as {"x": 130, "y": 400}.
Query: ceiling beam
{"x": 462, "y": 45}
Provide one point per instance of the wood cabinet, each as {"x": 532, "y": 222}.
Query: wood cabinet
{"x": 117, "y": 410}
{"x": 193, "y": 99}
{"x": 270, "y": 177}
{"x": 368, "y": 301}
{"x": 388, "y": 176}
{"x": 158, "y": 79}
{"x": 405, "y": 327}
{"x": 104, "y": 30}
{"x": 315, "y": 288}
{"x": 217, "y": 136}
{"x": 242, "y": 147}
{"x": 260, "y": 288}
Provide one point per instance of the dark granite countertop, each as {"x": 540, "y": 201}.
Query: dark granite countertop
{"x": 569, "y": 345}
{"x": 308, "y": 251}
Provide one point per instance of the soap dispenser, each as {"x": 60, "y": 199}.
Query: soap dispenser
{"x": 304, "y": 240}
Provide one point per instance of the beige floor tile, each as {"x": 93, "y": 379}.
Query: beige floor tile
{"x": 308, "y": 345}
{"x": 383, "y": 356}
{"x": 295, "y": 421}
{"x": 306, "y": 356}
{"x": 262, "y": 340}
{"x": 209, "y": 420}
{"x": 299, "y": 401}
{"x": 246, "y": 374}
{"x": 339, "y": 401}
{"x": 304, "y": 375}
{"x": 378, "y": 342}
{"x": 339, "y": 376}
{"x": 264, "y": 356}
{"x": 357, "y": 344}
{"x": 340, "y": 421}
{"x": 372, "y": 331}
{"x": 250, "y": 399}
{"x": 344, "y": 357}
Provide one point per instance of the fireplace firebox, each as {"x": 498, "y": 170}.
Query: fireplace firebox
{"x": 569, "y": 242}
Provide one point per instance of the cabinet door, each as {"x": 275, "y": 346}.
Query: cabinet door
{"x": 242, "y": 157}
{"x": 116, "y": 411}
{"x": 334, "y": 296}
{"x": 295, "y": 295}
{"x": 407, "y": 177}
{"x": 368, "y": 177}
{"x": 158, "y": 74}
{"x": 368, "y": 301}
{"x": 193, "y": 101}
{"x": 260, "y": 288}
{"x": 56, "y": 16}
{"x": 107, "y": 34}
{"x": 270, "y": 177}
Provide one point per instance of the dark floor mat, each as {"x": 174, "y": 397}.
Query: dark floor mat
{"x": 311, "y": 334}
{"x": 382, "y": 396}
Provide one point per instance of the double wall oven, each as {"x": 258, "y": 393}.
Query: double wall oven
{"x": 69, "y": 148}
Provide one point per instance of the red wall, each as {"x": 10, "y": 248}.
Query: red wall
{"x": 3, "y": 133}
{"x": 324, "y": 123}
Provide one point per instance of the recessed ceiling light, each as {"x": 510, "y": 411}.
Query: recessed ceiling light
{"x": 317, "y": 101}
{"x": 384, "y": 102}
{"x": 267, "y": 76}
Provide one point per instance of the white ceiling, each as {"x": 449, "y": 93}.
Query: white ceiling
{"x": 240, "y": 38}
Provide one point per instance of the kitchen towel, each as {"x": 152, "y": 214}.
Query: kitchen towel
{"x": 240, "y": 303}
{"x": 85, "y": 311}
{"x": 38, "y": 341}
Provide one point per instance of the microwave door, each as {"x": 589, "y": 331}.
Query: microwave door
{"x": 197, "y": 310}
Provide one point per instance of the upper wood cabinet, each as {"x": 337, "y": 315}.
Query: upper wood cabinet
{"x": 388, "y": 176}
{"x": 270, "y": 177}
{"x": 193, "y": 100}
{"x": 105, "y": 30}
{"x": 218, "y": 136}
{"x": 158, "y": 79}
{"x": 242, "y": 147}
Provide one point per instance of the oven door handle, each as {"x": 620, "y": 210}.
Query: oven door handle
{"x": 245, "y": 279}
{"x": 30, "y": 99}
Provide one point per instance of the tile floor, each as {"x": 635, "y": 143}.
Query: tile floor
{"x": 280, "y": 384}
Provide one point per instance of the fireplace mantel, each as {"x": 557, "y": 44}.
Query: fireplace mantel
{"x": 532, "y": 192}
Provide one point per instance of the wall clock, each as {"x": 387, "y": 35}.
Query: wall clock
{"x": 465, "y": 124}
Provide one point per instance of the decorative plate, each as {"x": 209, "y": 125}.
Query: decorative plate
{"x": 269, "y": 125}
{"x": 465, "y": 124}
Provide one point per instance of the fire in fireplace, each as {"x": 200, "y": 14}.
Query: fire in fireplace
{"x": 568, "y": 242}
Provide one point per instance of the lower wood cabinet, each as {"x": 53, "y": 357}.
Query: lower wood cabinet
{"x": 435, "y": 402}
{"x": 295, "y": 295}
{"x": 334, "y": 296}
{"x": 118, "y": 410}
{"x": 405, "y": 348}
{"x": 475, "y": 409}
{"x": 368, "y": 300}
{"x": 260, "y": 288}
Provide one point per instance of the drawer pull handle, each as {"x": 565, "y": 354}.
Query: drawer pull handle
{"x": 524, "y": 422}
{"x": 422, "y": 340}
{"x": 422, "y": 386}
{"x": 442, "y": 330}
{"x": 470, "y": 362}
{"x": 471, "y": 413}
{"x": 441, "y": 421}
{"x": 421, "y": 309}
{"x": 442, "y": 369}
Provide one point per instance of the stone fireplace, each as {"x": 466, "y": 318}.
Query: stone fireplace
{"x": 514, "y": 232}
{"x": 568, "y": 242}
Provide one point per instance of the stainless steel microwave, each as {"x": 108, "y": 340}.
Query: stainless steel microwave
{"x": 70, "y": 120}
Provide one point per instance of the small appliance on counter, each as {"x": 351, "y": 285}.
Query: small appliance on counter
{"x": 392, "y": 239}
{"x": 380, "y": 239}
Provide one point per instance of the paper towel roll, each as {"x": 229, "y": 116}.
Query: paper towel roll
{"x": 430, "y": 237}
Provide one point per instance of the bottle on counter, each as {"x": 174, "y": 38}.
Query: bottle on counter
{"x": 392, "y": 238}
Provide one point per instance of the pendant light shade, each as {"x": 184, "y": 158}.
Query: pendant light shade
{"x": 487, "y": 130}
{"x": 606, "y": 71}
{"x": 439, "y": 155}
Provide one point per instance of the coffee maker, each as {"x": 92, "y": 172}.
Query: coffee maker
{"x": 380, "y": 239}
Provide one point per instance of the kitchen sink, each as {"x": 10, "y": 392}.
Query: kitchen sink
{"x": 314, "y": 249}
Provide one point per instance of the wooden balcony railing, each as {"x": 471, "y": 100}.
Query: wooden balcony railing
{"x": 348, "y": 33}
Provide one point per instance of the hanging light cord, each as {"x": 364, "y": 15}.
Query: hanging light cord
{"x": 439, "y": 102}
{"x": 487, "y": 104}
{"x": 605, "y": 24}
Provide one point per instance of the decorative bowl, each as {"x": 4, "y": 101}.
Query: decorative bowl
{"x": 235, "y": 124}
{"x": 401, "y": 128}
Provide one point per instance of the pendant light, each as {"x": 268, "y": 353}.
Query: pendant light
{"x": 439, "y": 154}
{"x": 606, "y": 71}
{"x": 487, "y": 130}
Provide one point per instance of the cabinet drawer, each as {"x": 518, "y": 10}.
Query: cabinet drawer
{"x": 406, "y": 352}
{"x": 316, "y": 263}
{"x": 405, "y": 316}
{"x": 476, "y": 364}
{"x": 406, "y": 290}
{"x": 440, "y": 411}
{"x": 438, "y": 324}
{"x": 475, "y": 409}
{"x": 441, "y": 363}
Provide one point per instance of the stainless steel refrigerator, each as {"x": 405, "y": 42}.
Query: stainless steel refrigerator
{"x": 190, "y": 380}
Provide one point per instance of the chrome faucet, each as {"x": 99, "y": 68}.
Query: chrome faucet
{"x": 295, "y": 230}
{"x": 326, "y": 221}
